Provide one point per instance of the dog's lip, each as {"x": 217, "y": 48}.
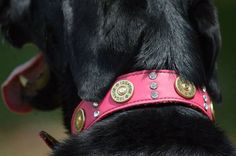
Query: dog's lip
{"x": 12, "y": 88}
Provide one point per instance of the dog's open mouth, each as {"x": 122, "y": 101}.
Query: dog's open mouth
{"x": 25, "y": 81}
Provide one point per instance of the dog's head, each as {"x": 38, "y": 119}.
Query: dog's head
{"x": 96, "y": 41}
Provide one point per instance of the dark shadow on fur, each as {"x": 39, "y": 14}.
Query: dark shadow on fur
{"x": 150, "y": 131}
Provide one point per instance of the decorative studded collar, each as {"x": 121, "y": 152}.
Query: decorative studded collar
{"x": 155, "y": 87}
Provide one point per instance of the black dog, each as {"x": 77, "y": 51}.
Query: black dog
{"x": 89, "y": 43}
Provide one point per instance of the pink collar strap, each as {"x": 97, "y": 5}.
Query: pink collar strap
{"x": 155, "y": 87}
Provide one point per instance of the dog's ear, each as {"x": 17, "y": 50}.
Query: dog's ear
{"x": 205, "y": 21}
{"x": 12, "y": 16}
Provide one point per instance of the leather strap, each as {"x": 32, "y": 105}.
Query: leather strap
{"x": 155, "y": 87}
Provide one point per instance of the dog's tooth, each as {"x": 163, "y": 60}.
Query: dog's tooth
{"x": 23, "y": 80}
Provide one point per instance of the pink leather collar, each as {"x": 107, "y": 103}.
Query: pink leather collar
{"x": 155, "y": 87}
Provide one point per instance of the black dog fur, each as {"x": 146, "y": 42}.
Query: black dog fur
{"x": 88, "y": 43}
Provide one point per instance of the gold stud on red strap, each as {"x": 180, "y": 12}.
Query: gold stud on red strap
{"x": 212, "y": 110}
{"x": 122, "y": 91}
{"x": 80, "y": 120}
{"x": 185, "y": 88}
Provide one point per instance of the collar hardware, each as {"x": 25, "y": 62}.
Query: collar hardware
{"x": 185, "y": 88}
{"x": 122, "y": 91}
{"x": 80, "y": 120}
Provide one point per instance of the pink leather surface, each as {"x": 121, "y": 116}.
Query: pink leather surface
{"x": 142, "y": 96}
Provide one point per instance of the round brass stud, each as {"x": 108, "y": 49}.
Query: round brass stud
{"x": 212, "y": 109}
{"x": 122, "y": 91}
{"x": 185, "y": 88}
{"x": 80, "y": 120}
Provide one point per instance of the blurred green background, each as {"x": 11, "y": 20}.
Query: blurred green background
{"x": 19, "y": 134}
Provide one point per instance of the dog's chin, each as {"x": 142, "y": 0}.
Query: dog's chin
{"x": 175, "y": 130}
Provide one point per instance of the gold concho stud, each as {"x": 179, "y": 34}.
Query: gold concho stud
{"x": 80, "y": 120}
{"x": 122, "y": 91}
{"x": 212, "y": 109}
{"x": 185, "y": 88}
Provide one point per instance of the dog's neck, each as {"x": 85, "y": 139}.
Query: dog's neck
{"x": 163, "y": 39}
{"x": 173, "y": 48}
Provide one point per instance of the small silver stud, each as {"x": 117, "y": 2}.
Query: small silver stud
{"x": 95, "y": 104}
{"x": 154, "y": 95}
{"x": 204, "y": 89}
{"x": 152, "y": 75}
{"x": 205, "y": 98}
{"x": 206, "y": 106}
{"x": 153, "y": 85}
{"x": 96, "y": 114}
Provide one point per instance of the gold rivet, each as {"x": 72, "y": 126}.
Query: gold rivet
{"x": 185, "y": 88}
{"x": 212, "y": 109}
{"x": 122, "y": 91}
{"x": 80, "y": 120}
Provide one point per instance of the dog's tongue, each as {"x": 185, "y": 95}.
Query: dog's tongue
{"x": 21, "y": 82}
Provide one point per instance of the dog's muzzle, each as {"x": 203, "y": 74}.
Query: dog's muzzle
{"x": 143, "y": 88}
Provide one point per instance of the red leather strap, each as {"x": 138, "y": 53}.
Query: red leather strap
{"x": 148, "y": 90}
